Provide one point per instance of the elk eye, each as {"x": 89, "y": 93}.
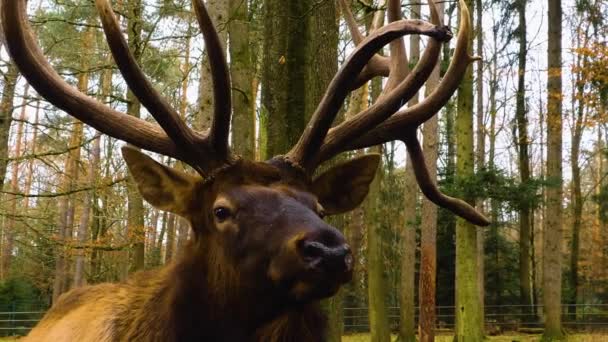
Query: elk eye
{"x": 222, "y": 213}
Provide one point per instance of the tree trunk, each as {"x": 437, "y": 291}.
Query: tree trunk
{"x": 321, "y": 65}
{"x": 183, "y": 230}
{"x": 578, "y": 110}
{"x": 183, "y": 226}
{"x": 65, "y": 208}
{"x": 355, "y": 229}
{"x": 169, "y": 249}
{"x": 241, "y": 71}
{"x": 30, "y": 163}
{"x": 407, "y": 307}
{"x": 66, "y": 205}
{"x": 284, "y": 72}
{"x": 378, "y": 310}
{"x": 428, "y": 232}
{"x": 521, "y": 116}
{"x": 218, "y": 11}
{"x": 9, "y": 227}
{"x": 135, "y": 207}
{"x": 552, "y": 271}
{"x": 494, "y": 205}
{"x": 83, "y": 227}
{"x": 101, "y": 202}
{"x": 481, "y": 156}
{"x": 469, "y": 322}
{"x": 9, "y": 82}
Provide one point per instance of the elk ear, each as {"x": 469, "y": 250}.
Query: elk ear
{"x": 343, "y": 187}
{"x": 163, "y": 187}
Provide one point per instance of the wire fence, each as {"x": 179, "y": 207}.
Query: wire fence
{"x": 499, "y": 319}
{"x": 18, "y": 318}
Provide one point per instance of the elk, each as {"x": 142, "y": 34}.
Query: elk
{"x": 261, "y": 257}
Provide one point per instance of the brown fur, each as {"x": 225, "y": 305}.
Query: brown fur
{"x": 241, "y": 279}
{"x": 177, "y": 303}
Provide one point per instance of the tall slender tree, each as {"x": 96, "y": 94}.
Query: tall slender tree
{"x": 135, "y": 206}
{"x": 241, "y": 65}
{"x": 469, "y": 322}
{"x": 428, "y": 235}
{"x": 12, "y": 199}
{"x": 480, "y": 149}
{"x": 521, "y": 117}
{"x": 9, "y": 82}
{"x": 407, "y": 323}
{"x": 552, "y": 270}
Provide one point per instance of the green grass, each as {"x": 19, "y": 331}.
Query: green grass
{"x": 502, "y": 338}
{"x": 449, "y": 338}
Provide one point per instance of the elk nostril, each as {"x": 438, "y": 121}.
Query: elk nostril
{"x": 312, "y": 249}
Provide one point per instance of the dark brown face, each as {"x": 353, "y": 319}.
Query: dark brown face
{"x": 276, "y": 234}
{"x": 265, "y": 220}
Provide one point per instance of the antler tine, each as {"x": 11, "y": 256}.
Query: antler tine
{"x": 220, "y": 127}
{"x": 156, "y": 104}
{"x": 403, "y": 126}
{"x": 429, "y": 187}
{"x": 27, "y": 55}
{"x": 377, "y": 65}
{"x": 399, "y": 67}
{"x": 305, "y": 152}
{"x": 353, "y": 27}
{"x": 390, "y": 101}
{"x": 395, "y": 126}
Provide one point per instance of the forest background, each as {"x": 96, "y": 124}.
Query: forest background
{"x": 532, "y": 115}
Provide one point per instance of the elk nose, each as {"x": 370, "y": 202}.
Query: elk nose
{"x": 329, "y": 259}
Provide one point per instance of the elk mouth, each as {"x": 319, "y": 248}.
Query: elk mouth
{"x": 312, "y": 266}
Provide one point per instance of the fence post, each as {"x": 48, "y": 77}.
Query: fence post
{"x": 12, "y": 317}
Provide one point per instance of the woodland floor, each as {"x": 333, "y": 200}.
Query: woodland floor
{"x": 448, "y": 338}
{"x": 502, "y": 338}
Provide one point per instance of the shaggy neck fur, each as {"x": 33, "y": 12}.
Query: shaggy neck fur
{"x": 202, "y": 298}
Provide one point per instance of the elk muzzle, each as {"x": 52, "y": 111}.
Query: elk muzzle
{"x": 320, "y": 257}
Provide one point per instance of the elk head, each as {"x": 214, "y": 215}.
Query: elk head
{"x": 265, "y": 219}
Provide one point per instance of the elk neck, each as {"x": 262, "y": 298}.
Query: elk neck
{"x": 205, "y": 299}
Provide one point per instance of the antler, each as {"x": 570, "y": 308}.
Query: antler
{"x": 384, "y": 121}
{"x": 173, "y": 137}
{"x": 306, "y": 152}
